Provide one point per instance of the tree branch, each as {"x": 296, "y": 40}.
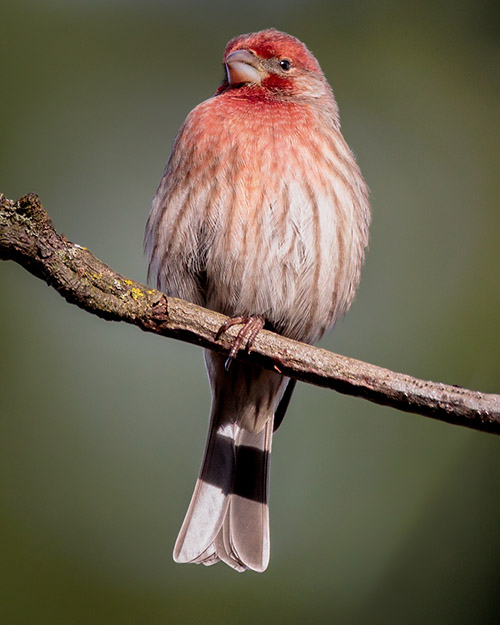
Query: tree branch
{"x": 28, "y": 237}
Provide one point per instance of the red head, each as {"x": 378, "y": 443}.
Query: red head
{"x": 269, "y": 63}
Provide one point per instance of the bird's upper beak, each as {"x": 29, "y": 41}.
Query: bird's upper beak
{"x": 243, "y": 66}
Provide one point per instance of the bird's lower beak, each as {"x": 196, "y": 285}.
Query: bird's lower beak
{"x": 242, "y": 66}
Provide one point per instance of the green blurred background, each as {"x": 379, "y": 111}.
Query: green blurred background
{"x": 376, "y": 516}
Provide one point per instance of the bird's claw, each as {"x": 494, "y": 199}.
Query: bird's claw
{"x": 251, "y": 326}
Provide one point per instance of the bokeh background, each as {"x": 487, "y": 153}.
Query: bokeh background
{"x": 376, "y": 516}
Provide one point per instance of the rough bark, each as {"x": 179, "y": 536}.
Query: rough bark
{"x": 28, "y": 237}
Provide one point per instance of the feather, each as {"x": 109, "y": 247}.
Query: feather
{"x": 262, "y": 211}
{"x": 228, "y": 517}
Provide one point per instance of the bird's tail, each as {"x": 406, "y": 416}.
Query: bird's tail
{"x": 228, "y": 517}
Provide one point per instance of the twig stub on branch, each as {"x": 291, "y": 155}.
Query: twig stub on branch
{"x": 28, "y": 237}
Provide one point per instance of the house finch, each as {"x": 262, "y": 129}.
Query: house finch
{"x": 261, "y": 214}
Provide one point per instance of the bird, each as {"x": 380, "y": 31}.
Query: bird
{"x": 262, "y": 214}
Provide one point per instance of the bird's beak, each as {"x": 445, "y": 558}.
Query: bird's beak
{"x": 242, "y": 66}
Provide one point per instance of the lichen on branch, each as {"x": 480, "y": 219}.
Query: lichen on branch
{"x": 28, "y": 237}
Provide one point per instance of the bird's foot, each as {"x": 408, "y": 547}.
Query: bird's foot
{"x": 245, "y": 337}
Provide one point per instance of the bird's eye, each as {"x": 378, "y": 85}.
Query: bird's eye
{"x": 285, "y": 64}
